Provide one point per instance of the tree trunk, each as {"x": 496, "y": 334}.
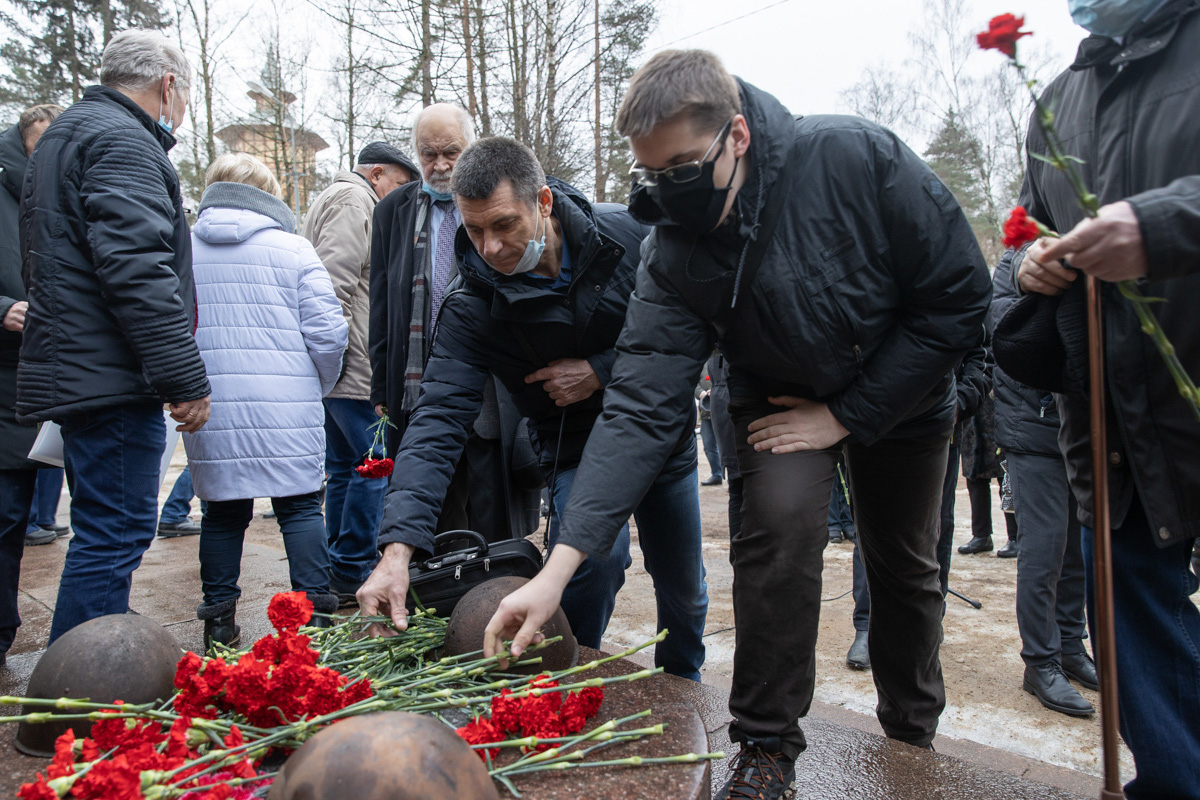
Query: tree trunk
{"x": 351, "y": 69}
{"x": 426, "y": 56}
{"x": 466, "y": 23}
{"x": 485, "y": 117}
{"x": 600, "y": 176}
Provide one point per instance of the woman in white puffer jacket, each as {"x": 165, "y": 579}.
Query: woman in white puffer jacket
{"x": 271, "y": 333}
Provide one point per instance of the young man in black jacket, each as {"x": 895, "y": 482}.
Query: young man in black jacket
{"x": 844, "y": 285}
{"x": 547, "y": 277}
{"x": 1129, "y": 109}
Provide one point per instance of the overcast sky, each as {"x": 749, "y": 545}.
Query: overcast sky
{"x": 806, "y": 51}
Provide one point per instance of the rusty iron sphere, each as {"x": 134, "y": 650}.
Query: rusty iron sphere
{"x": 464, "y": 634}
{"x": 390, "y": 755}
{"x": 117, "y": 657}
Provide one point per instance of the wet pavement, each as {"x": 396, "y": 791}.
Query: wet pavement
{"x": 847, "y": 757}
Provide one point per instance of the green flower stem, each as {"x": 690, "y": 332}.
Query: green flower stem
{"x": 554, "y": 752}
{"x": 631, "y": 761}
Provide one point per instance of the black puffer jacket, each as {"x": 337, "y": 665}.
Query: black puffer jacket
{"x": 511, "y": 327}
{"x": 108, "y": 266}
{"x": 15, "y": 439}
{"x": 1026, "y": 419}
{"x": 871, "y": 291}
{"x": 1132, "y": 114}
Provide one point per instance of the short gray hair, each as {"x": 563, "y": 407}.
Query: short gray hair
{"x": 692, "y": 83}
{"x": 460, "y": 113}
{"x": 138, "y": 59}
{"x": 487, "y": 163}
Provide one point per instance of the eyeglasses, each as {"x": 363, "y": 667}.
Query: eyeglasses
{"x": 681, "y": 173}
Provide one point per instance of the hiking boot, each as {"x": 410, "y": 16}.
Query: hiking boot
{"x": 759, "y": 775}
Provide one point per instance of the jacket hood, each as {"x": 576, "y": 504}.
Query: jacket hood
{"x": 12, "y": 161}
{"x": 233, "y": 212}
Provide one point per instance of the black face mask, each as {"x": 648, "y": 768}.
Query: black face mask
{"x": 696, "y": 205}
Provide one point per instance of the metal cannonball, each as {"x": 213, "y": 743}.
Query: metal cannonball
{"x": 391, "y": 755}
{"x": 464, "y": 634}
{"x": 118, "y": 657}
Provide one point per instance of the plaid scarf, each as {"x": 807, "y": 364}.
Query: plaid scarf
{"x": 420, "y": 345}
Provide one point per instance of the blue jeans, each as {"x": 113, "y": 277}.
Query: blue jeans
{"x": 223, "y": 530}
{"x": 112, "y": 460}
{"x": 44, "y": 508}
{"x": 668, "y": 520}
{"x": 1158, "y": 656}
{"x": 179, "y": 502}
{"x": 353, "y": 504}
{"x": 16, "y": 493}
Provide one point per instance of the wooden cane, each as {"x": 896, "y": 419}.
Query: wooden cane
{"x": 1105, "y": 646}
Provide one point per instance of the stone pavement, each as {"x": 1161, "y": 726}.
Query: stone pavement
{"x": 847, "y": 757}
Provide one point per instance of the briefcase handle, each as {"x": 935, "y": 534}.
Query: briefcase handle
{"x": 480, "y": 548}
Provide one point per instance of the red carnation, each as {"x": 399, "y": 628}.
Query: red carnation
{"x": 37, "y": 791}
{"x": 289, "y": 610}
{"x": 481, "y": 731}
{"x": 1002, "y": 34}
{"x": 1019, "y": 228}
{"x": 375, "y": 467}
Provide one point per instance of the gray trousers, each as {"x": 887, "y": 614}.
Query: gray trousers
{"x": 1050, "y": 591}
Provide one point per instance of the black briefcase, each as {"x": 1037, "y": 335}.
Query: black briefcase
{"x": 441, "y": 581}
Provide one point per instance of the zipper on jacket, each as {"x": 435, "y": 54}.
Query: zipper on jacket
{"x": 858, "y": 357}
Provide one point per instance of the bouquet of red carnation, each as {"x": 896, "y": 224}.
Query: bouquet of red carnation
{"x": 547, "y": 715}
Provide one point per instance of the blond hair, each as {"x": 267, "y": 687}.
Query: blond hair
{"x": 242, "y": 168}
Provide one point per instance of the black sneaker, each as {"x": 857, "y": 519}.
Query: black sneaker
{"x": 759, "y": 775}
{"x": 39, "y": 536}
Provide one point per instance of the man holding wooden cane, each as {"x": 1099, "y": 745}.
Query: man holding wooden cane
{"x": 1128, "y": 109}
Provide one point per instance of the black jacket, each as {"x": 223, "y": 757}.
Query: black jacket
{"x": 1132, "y": 114}
{"x": 871, "y": 291}
{"x": 1027, "y": 419}
{"x": 108, "y": 266}
{"x": 15, "y": 439}
{"x": 510, "y": 327}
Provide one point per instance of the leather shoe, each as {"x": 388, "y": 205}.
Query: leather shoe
{"x": 979, "y": 544}
{"x": 1049, "y": 684}
{"x": 1009, "y": 550}
{"x": 185, "y": 528}
{"x": 1081, "y": 667}
{"x": 835, "y": 535}
{"x": 858, "y": 657}
{"x": 711, "y": 480}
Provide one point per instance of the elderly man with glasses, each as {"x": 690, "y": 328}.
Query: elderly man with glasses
{"x": 843, "y": 283}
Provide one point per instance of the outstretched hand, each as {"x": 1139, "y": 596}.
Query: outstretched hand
{"x": 522, "y": 613}
{"x": 386, "y": 590}
{"x": 806, "y": 425}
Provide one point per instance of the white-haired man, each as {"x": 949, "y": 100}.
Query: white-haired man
{"x": 108, "y": 332}
{"x": 339, "y": 226}
{"x": 412, "y": 264}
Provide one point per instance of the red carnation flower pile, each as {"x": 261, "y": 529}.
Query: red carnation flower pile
{"x": 375, "y": 467}
{"x": 1002, "y": 34}
{"x": 1020, "y": 228}
{"x": 548, "y": 716}
{"x": 277, "y": 682}
{"x": 136, "y": 747}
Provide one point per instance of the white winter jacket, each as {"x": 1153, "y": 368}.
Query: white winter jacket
{"x": 272, "y": 334}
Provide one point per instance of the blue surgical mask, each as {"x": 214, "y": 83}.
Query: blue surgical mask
{"x": 163, "y": 122}
{"x": 435, "y": 194}
{"x": 1111, "y": 18}
{"x": 533, "y": 252}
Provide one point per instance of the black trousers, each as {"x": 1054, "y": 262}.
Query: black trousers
{"x": 777, "y": 564}
{"x": 16, "y": 495}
